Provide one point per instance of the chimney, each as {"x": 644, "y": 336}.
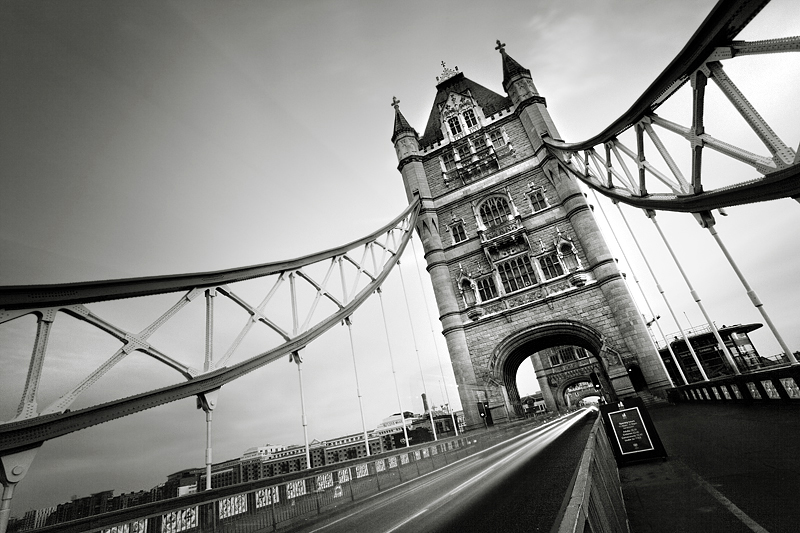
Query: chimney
{"x": 424, "y": 403}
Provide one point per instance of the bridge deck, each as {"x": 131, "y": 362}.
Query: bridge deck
{"x": 731, "y": 468}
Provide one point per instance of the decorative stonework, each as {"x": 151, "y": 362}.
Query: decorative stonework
{"x": 447, "y": 73}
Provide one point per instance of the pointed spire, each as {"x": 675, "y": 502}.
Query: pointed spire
{"x": 400, "y": 123}
{"x": 510, "y": 67}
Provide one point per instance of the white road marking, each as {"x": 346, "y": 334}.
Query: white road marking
{"x": 406, "y": 521}
{"x": 729, "y": 505}
{"x": 538, "y": 429}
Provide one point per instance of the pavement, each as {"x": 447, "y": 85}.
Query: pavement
{"x": 730, "y": 468}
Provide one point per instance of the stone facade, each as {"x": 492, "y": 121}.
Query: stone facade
{"x": 516, "y": 258}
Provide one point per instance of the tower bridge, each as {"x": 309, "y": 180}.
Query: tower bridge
{"x": 518, "y": 263}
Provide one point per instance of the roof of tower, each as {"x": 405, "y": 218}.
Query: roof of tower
{"x": 400, "y": 123}
{"x": 490, "y": 102}
{"x": 510, "y": 67}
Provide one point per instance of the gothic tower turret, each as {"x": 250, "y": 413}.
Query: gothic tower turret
{"x": 518, "y": 264}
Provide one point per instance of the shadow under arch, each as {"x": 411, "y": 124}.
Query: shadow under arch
{"x": 512, "y": 351}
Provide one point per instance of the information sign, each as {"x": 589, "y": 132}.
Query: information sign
{"x": 630, "y": 432}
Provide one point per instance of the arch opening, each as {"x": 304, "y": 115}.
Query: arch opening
{"x": 563, "y": 355}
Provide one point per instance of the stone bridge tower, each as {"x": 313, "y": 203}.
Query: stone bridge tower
{"x": 517, "y": 261}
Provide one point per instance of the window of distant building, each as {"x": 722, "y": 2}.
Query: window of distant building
{"x": 495, "y": 210}
{"x": 517, "y": 273}
{"x": 455, "y": 126}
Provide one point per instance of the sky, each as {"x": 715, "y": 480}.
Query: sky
{"x": 151, "y": 138}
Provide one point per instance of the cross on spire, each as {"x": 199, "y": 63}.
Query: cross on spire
{"x": 500, "y": 46}
{"x": 447, "y": 73}
{"x": 395, "y": 103}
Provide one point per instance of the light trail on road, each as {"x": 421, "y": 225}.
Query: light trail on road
{"x": 440, "y": 500}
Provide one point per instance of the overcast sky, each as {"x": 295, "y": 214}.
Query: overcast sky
{"x": 150, "y": 138}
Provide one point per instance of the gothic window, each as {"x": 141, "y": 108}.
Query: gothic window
{"x": 486, "y": 288}
{"x": 448, "y": 160}
{"x": 495, "y": 210}
{"x": 538, "y": 200}
{"x": 566, "y": 353}
{"x": 464, "y": 152}
{"x": 554, "y": 360}
{"x": 469, "y": 118}
{"x": 458, "y": 232}
{"x": 517, "y": 273}
{"x": 551, "y": 267}
{"x": 582, "y": 353}
{"x": 498, "y": 141}
{"x": 455, "y": 126}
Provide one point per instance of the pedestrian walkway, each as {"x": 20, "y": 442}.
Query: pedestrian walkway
{"x": 731, "y": 468}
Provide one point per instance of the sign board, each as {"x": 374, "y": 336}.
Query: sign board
{"x": 631, "y": 432}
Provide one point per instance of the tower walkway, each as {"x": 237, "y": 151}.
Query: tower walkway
{"x": 730, "y": 468}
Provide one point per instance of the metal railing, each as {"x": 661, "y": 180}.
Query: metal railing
{"x": 275, "y": 503}
{"x": 773, "y": 385}
{"x": 596, "y": 502}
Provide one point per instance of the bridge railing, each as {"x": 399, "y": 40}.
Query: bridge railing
{"x": 596, "y": 502}
{"x": 275, "y": 503}
{"x": 773, "y": 385}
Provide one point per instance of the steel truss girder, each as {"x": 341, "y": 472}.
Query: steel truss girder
{"x": 697, "y": 62}
{"x": 28, "y": 431}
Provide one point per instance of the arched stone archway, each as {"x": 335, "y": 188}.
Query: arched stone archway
{"x": 571, "y": 398}
{"x": 512, "y": 351}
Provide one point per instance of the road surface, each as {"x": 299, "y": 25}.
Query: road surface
{"x": 517, "y": 485}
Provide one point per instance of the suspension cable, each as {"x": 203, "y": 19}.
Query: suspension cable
{"x": 433, "y": 336}
{"x": 752, "y": 294}
{"x": 652, "y": 216}
{"x": 644, "y": 296}
{"x": 295, "y": 356}
{"x": 394, "y": 372}
{"x": 666, "y": 301}
{"x": 349, "y": 324}
{"x": 416, "y": 347}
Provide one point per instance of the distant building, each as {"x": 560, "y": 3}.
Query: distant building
{"x": 178, "y": 483}
{"x": 711, "y": 357}
{"x": 222, "y": 474}
{"x": 258, "y": 462}
{"x": 534, "y": 404}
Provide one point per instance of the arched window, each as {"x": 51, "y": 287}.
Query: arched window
{"x": 538, "y": 200}
{"x": 455, "y": 127}
{"x": 486, "y": 288}
{"x": 551, "y": 267}
{"x": 469, "y": 118}
{"x": 495, "y": 211}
